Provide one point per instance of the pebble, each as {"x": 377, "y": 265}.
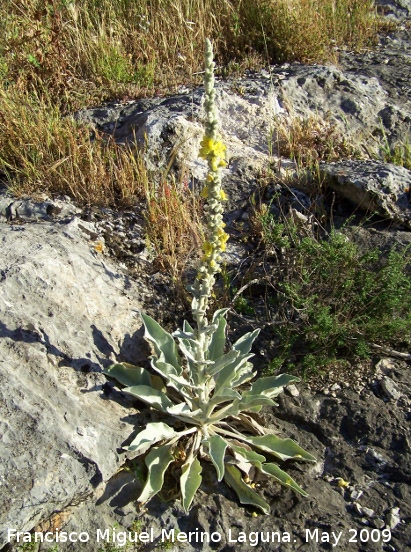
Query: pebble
{"x": 292, "y": 390}
{"x": 355, "y": 495}
{"x": 385, "y": 366}
{"x": 392, "y": 519}
{"x": 388, "y": 386}
{"x": 378, "y": 523}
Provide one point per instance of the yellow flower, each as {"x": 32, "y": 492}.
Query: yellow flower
{"x": 223, "y": 195}
{"x": 210, "y": 147}
{"x": 342, "y": 483}
{"x": 204, "y": 192}
{"x": 207, "y": 248}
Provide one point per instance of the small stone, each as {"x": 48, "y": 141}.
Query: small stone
{"x": 358, "y": 508}
{"x": 356, "y": 495}
{"x": 388, "y": 386}
{"x": 335, "y": 387}
{"x": 326, "y": 391}
{"x": 392, "y": 519}
{"x": 378, "y": 523}
{"x": 368, "y": 512}
{"x": 292, "y": 391}
{"x": 385, "y": 366}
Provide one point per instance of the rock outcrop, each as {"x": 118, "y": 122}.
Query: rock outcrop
{"x": 65, "y": 311}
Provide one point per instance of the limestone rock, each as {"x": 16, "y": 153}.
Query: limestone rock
{"x": 65, "y": 311}
{"x": 377, "y": 187}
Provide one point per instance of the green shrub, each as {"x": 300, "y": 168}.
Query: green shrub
{"x": 333, "y": 299}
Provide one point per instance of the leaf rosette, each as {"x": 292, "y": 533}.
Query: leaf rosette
{"x": 216, "y": 406}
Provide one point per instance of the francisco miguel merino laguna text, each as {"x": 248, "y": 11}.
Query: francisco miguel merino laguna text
{"x": 121, "y": 538}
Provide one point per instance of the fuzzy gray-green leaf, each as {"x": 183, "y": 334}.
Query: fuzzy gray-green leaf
{"x": 245, "y": 494}
{"x": 284, "y": 449}
{"x": 157, "y": 461}
{"x": 217, "y": 343}
{"x": 190, "y": 481}
{"x": 245, "y": 342}
{"x": 282, "y": 477}
{"x": 271, "y": 386}
{"x": 216, "y": 449}
{"x": 230, "y": 373}
{"x": 163, "y": 342}
{"x": 151, "y": 396}
{"x": 128, "y": 374}
{"x": 153, "y": 433}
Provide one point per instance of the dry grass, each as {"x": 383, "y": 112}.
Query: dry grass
{"x": 57, "y": 56}
{"x": 174, "y": 227}
{"x": 307, "y": 141}
{"x": 42, "y": 151}
{"x": 83, "y": 52}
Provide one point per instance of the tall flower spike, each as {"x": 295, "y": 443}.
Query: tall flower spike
{"x": 213, "y": 151}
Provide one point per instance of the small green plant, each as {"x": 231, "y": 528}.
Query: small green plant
{"x": 398, "y": 153}
{"x": 202, "y": 387}
{"x": 332, "y": 299}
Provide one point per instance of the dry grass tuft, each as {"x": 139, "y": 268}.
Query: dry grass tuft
{"x": 307, "y": 141}
{"x": 174, "y": 226}
{"x": 44, "y": 152}
{"x": 84, "y": 52}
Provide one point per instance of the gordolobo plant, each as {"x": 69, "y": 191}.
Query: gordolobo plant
{"x": 202, "y": 386}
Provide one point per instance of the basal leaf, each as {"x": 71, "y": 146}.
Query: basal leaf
{"x": 281, "y": 477}
{"x": 245, "y": 494}
{"x": 190, "y": 481}
{"x": 245, "y": 342}
{"x": 157, "y": 461}
{"x": 271, "y": 386}
{"x": 181, "y": 408}
{"x": 128, "y": 374}
{"x": 151, "y": 396}
{"x": 216, "y": 449}
{"x": 250, "y": 455}
{"x": 284, "y": 449}
{"x": 163, "y": 342}
{"x": 153, "y": 433}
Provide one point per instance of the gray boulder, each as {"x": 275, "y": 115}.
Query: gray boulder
{"x": 65, "y": 312}
{"x": 380, "y": 188}
{"x": 251, "y": 111}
